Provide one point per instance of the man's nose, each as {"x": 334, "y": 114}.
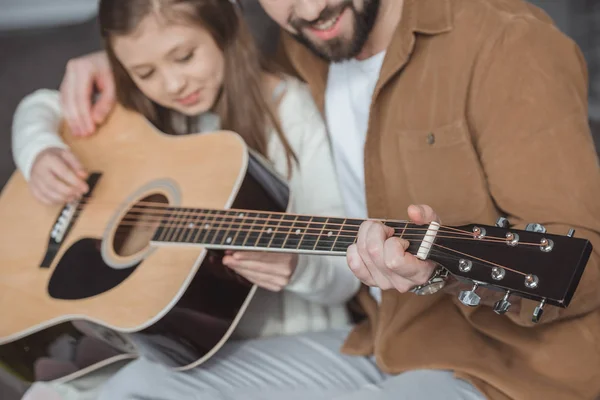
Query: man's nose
{"x": 309, "y": 10}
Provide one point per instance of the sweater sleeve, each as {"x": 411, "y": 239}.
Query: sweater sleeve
{"x": 529, "y": 112}
{"x": 315, "y": 191}
{"x": 35, "y": 128}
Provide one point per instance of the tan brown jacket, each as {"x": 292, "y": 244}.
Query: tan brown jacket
{"x": 480, "y": 111}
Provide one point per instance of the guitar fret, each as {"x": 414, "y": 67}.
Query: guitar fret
{"x": 159, "y": 235}
{"x": 187, "y": 226}
{"x": 323, "y": 224}
{"x": 262, "y": 223}
{"x": 199, "y": 226}
{"x": 292, "y": 237}
{"x": 340, "y": 229}
{"x": 207, "y": 229}
{"x": 274, "y": 234}
{"x": 246, "y": 226}
{"x": 172, "y": 223}
{"x": 193, "y": 225}
{"x": 221, "y": 226}
{"x": 230, "y": 226}
{"x": 328, "y": 234}
{"x": 347, "y": 235}
{"x": 308, "y": 231}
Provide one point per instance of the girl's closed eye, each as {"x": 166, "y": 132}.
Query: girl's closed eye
{"x": 187, "y": 57}
{"x": 146, "y": 75}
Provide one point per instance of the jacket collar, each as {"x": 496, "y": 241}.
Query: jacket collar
{"x": 428, "y": 17}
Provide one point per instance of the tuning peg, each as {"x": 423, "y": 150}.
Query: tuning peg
{"x": 469, "y": 297}
{"x": 538, "y": 312}
{"x": 535, "y": 227}
{"x": 502, "y": 222}
{"x": 502, "y": 306}
{"x": 571, "y": 233}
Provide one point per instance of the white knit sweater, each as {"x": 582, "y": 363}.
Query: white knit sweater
{"x": 315, "y": 298}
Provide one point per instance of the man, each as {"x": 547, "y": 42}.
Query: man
{"x": 476, "y": 108}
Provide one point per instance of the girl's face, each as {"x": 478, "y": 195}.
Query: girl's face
{"x": 177, "y": 66}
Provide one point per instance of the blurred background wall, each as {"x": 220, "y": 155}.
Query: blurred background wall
{"x": 37, "y": 37}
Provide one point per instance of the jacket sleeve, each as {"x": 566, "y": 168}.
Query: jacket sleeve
{"x": 315, "y": 191}
{"x": 35, "y": 128}
{"x": 528, "y": 109}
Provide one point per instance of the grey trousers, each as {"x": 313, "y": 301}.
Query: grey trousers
{"x": 300, "y": 367}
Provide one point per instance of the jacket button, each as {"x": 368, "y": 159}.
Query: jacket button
{"x": 430, "y": 138}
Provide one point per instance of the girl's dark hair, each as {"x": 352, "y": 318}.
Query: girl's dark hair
{"x": 241, "y": 105}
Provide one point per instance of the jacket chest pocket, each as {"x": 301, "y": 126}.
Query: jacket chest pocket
{"x": 443, "y": 170}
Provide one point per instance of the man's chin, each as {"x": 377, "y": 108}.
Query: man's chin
{"x": 335, "y": 50}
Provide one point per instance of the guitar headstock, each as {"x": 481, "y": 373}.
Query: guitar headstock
{"x": 529, "y": 263}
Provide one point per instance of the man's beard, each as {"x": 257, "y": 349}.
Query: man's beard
{"x": 340, "y": 49}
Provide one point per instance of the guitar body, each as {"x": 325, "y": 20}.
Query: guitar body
{"x": 103, "y": 284}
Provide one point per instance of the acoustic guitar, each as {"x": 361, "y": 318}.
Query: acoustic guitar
{"x": 134, "y": 266}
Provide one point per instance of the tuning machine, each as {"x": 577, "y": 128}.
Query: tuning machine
{"x": 502, "y": 222}
{"x": 535, "y": 227}
{"x": 469, "y": 297}
{"x": 502, "y": 306}
{"x": 538, "y": 312}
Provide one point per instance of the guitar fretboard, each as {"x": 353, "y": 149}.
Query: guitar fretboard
{"x": 268, "y": 231}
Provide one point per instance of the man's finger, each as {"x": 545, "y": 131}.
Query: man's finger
{"x": 358, "y": 267}
{"x": 393, "y": 254}
{"x": 373, "y": 239}
{"x": 106, "y": 99}
{"x": 422, "y": 214}
{"x": 82, "y": 95}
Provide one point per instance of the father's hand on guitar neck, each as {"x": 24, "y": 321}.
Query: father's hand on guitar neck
{"x": 271, "y": 271}
{"x": 82, "y": 76}
{"x": 379, "y": 259}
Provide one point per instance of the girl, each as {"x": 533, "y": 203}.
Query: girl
{"x": 191, "y": 66}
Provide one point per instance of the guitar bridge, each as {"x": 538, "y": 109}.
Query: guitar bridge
{"x": 65, "y": 220}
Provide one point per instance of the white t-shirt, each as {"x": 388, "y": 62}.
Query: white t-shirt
{"x": 348, "y": 96}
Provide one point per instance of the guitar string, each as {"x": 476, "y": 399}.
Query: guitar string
{"x": 177, "y": 219}
{"x": 164, "y": 210}
{"x": 347, "y": 244}
{"x": 439, "y": 253}
{"x": 276, "y": 228}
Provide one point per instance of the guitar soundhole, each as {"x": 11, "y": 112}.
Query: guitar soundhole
{"x": 138, "y": 225}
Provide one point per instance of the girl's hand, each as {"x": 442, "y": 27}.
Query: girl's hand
{"x": 57, "y": 177}
{"x": 271, "y": 271}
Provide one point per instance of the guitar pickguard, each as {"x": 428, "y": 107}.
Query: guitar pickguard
{"x": 82, "y": 273}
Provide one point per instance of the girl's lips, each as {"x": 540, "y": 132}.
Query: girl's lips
{"x": 190, "y": 99}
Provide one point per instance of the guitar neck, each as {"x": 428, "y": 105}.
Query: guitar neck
{"x": 269, "y": 231}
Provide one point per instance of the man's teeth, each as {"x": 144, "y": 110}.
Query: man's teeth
{"x": 322, "y": 26}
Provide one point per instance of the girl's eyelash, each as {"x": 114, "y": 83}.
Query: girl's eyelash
{"x": 146, "y": 76}
{"x": 187, "y": 57}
